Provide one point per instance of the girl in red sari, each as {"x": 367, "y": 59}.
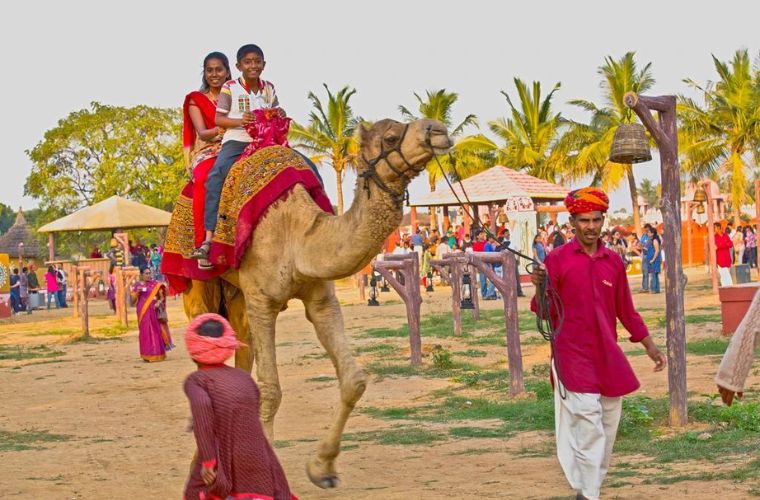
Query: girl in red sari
{"x": 201, "y": 137}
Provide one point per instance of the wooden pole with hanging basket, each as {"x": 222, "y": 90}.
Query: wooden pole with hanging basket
{"x": 664, "y": 132}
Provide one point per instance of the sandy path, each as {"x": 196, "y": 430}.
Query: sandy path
{"x": 127, "y": 422}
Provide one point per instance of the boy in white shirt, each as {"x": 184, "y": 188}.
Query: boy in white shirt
{"x": 234, "y": 110}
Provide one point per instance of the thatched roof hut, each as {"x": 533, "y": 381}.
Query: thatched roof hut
{"x": 20, "y": 232}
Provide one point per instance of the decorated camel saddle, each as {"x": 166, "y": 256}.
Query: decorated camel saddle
{"x": 266, "y": 175}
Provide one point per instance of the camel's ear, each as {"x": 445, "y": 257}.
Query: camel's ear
{"x": 364, "y": 132}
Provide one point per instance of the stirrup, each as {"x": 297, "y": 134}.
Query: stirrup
{"x": 202, "y": 251}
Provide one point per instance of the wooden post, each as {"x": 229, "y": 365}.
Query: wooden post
{"x": 446, "y": 221}
{"x": 665, "y": 135}
{"x": 712, "y": 256}
{"x": 455, "y": 267}
{"x": 492, "y": 218}
{"x": 689, "y": 252}
{"x": 413, "y": 218}
{"x": 408, "y": 265}
{"x": 474, "y": 291}
{"x": 508, "y": 288}
{"x": 81, "y": 292}
{"x": 51, "y": 247}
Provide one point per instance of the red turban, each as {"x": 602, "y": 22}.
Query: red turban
{"x": 210, "y": 350}
{"x": 588, "y": 199}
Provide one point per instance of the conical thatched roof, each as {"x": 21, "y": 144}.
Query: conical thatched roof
{"x": 19, "y": 232}
{"x": 113, "y": 213}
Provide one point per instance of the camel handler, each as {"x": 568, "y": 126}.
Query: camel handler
{"x": 590, "y": 373}
{"x": 234, "y": 458}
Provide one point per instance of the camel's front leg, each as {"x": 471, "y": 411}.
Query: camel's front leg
{"x": 323, "y": 310}
{"x": 263, "y": 314}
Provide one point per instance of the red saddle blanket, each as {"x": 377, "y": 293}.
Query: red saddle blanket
{"x": 251, "y": 187}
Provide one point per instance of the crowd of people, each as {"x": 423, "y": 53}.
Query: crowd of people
{"x": 26, "y": 290}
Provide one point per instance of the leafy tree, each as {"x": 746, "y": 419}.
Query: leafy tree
{"x": 719, "y": 137}
{"x": 585, "y": 148}
{"x": 7, "y": 217}
{"x": 331, "y": 134}
{"x": 102, "y": 151}
{"x": 469, "y": 155}
{"x": 530, "y": 133}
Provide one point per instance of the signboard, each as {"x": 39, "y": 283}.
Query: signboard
{"x": 5, "y": 273}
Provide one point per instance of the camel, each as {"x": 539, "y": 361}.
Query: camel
{"x": 298, "y": 250}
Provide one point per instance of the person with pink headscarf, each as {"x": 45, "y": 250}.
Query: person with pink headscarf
{"x": 233, "y": 458}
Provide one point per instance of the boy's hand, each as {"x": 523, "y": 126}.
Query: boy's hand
{"x": 658, "y": 357}
{"x": 208, "y": 474}
{"x": 247, "y": 117}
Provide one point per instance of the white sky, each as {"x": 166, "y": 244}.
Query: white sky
{"x": 60, "y": 56}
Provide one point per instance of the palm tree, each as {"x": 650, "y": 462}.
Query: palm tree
{"x": 466, "y": 158}
{"x": 331, "y": 134}
{"x": 719, "y": 138}
{"x": 650, "y": 191}
{"x": 585, "y": 148}
{"x": 530, "y": 133}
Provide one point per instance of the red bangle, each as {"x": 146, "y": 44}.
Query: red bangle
{"x": 209, "y": 464}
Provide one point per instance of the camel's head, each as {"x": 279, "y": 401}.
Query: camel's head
{"x": 398, "y": 152}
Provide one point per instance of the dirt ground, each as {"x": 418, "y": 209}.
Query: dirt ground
{"x": 124, "y": 422}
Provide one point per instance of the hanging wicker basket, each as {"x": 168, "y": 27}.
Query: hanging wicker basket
{"x": 630, "y": 144}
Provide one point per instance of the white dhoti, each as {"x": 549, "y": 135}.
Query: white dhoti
{"x": 725, "y": 276}
{"x": 585, "y": 425}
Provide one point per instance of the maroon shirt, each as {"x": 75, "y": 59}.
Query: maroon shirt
{"x": 224, "y": 402}
{"x": 595, "y": 293}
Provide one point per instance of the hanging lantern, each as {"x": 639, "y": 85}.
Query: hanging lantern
{"x": 429, "y": 279}
{"x": 373, "y": 292}
{"x": 467, "y": 292}
{"x": 630, "y": 144}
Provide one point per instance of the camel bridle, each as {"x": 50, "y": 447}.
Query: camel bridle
{"x": 370, "y": 173}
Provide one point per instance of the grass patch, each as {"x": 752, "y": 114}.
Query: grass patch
{"x": 475, "y": 451}
{"x": 450, "y": 370}
{"x": 397, "y": 436}
{"x": 381, "y": 349}
{"x": 472, "y": 353}
{"x": 707, "y": 347}
{"x": 28, "y": 440}
{"x": 479, "y": 432}
{"x": 110, "y": 331}
{"x": 321, "y": 378}
{"x": 18, "y": 353}
{"x": 64, "y": 332}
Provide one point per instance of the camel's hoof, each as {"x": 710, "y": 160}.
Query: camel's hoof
{"x": 323, "y": 480}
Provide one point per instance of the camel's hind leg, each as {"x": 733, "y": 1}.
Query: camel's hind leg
{"x": 235, "y": 312}
{"x": 323, "y": 310}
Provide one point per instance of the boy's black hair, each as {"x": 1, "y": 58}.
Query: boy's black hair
{"x": 211, "y": 328}
{"x": 248, "y": 49}
{"x": 225, "y": 63}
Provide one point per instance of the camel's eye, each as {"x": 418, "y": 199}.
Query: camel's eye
{"x": 391, "y": 139}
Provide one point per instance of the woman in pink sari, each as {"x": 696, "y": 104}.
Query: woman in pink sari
{"x": 150, "y": 298}
{"x": 201, "y": 137}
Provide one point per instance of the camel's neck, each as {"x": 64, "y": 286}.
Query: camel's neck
{"x": 348, "y": 242}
